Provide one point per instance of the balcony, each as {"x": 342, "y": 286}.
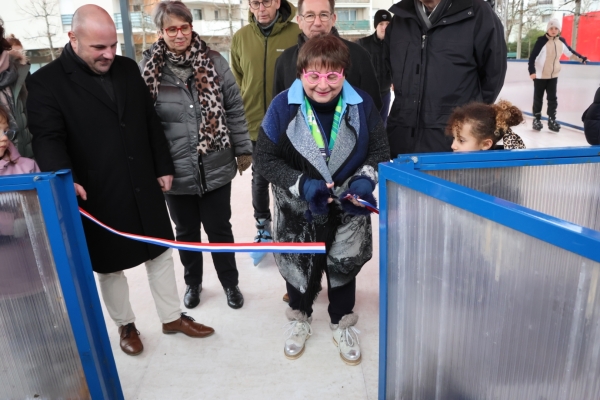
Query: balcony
{"x": 215, "y": 27}
{"x": 136, "y": 21}
{"x": 345, "y": 26}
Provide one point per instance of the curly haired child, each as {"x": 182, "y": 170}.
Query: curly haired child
{"x": 479, "y": 126}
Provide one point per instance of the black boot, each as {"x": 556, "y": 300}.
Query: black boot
{"x": 553, "y": 125}
{"x": 537, "y": 124}
{"x": 192, "y": 296}
{"x": 235, "y": 299}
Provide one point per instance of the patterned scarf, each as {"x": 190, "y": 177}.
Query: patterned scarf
{"x": 213, "y": 135}
{"x": 316, "y": 129}
{"x": 512, "y": 141}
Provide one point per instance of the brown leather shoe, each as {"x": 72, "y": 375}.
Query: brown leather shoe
{"x": 286, "y": 298}
{"x": 130, "y": 340}
{"x": 187, "y": 326}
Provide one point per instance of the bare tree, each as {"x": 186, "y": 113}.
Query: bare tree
{"x": 45, "y": 10}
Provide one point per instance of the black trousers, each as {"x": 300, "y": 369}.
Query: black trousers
{"x": 539, "y": 87}
{"x": 341, "y": 300}
{"x": 213, "y": 211}
{"x": 260, "y": 194}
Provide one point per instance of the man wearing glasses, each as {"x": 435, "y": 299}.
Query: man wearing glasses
{"x": 315, "y": 18}
{"x": 254, "y": 50}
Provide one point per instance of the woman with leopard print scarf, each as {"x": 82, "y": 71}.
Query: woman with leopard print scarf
{"x": 198, "y": 101}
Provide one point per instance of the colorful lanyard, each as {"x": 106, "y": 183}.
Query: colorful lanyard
{"x": 317, "y": 130}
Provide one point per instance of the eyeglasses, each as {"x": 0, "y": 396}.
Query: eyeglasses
{"x": 172, "y": 30}
{"x": 10, "y": 134}
{"x": 324, "y": 16}
{"x": 314, "y": 77}
{"x": 255, "y": 5}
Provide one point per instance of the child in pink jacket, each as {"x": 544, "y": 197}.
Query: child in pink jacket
{"x": 11, "y": 162}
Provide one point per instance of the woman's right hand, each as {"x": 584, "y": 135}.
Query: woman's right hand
{"x": 316, "y": 192}
{"x": 532, "y": 76}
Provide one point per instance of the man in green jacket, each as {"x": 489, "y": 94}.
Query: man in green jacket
{"x": 254, "y": 50}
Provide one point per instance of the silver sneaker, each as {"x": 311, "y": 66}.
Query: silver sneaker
{"x": 345, "y": 337}
{"x": 298, "y": 330}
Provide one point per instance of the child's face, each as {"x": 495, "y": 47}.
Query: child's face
{"x": 3, "y": 144}
{"x": 553, "y": 31}
{"x": 3, "y": 125}
{"x": 465, "y": 141}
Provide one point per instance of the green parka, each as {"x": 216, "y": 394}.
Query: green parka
{"x": 253, "y": 59}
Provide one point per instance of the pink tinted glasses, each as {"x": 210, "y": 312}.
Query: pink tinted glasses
{"x": 314, "y": 77}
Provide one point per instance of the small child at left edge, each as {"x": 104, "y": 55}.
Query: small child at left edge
{"x": 11, "y": 162}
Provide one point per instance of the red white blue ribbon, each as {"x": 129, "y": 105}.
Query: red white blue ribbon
{"x": 314, "y": 248}
{"x": 367, "y": 205}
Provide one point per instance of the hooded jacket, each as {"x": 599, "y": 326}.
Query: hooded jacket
{"x": 360, "y": 74}
{"x": 591, "y": 121}
{"x": 544, "y": 60}
{"x": 374, "y": 46}
{"x": 253, "y": 57}
{"x": 459, "y": 59}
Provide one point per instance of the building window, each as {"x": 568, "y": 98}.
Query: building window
{"x": 197, "y": 13}
{"x": 66, "y": 21}
{"x": 346, "y": 14}
{"x": 546, "y": 18}
{"x": 136, "y": 7}
{"x": 216, "y": 14}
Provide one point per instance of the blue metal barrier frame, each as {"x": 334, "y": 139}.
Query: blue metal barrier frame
{"x": 59, "y": 208}
{"x": 406, "y": 171}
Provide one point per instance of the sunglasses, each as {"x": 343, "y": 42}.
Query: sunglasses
{"x": 314, "y": 77}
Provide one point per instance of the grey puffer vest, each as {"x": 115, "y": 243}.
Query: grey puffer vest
{"x": 179, "y": 111}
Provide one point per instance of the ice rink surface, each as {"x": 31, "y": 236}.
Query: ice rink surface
{"x": 244, "y": 358}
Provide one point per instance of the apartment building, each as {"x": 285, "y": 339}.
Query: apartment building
{"x": 214, "y": 20}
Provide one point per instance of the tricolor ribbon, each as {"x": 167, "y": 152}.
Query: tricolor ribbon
{"x": 367, "y": 205}
{"x": 314, "y": 248}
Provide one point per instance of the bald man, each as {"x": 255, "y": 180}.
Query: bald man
{"x": 90, "y": 111}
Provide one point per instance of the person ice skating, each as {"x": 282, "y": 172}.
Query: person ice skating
{"x": 321, "y": 140}
{"x": 544, "y": 67}
{"x": 479, "y": 126}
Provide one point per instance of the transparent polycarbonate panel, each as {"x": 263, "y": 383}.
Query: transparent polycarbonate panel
{"x": 38, "y": 354}
{"x": 569, "y": 191}
{"x": 477, "y": 310}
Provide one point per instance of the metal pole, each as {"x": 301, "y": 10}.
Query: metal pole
{"x": 127, "y": 31}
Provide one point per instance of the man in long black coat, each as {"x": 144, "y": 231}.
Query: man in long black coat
{"x": 90, "y": 111}
{"x": 443, "y": 54}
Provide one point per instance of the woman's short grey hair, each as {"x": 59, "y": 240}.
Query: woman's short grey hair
{"x": 172, "y": 9}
